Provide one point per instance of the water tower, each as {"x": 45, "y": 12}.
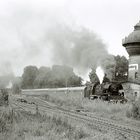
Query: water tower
{"x": 132, "y": 45}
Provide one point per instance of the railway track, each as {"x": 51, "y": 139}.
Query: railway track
{"x": 126, "y": 132}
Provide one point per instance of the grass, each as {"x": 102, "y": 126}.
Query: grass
{"x": 48, "y": 127}
{"x": 134, "y": 110}
{"x": 21, "y": 125}
{"x": 74, "y": 100}
{"x": 77, "y": 101}
{"x": 25, "y": 126}
{"x": 68, "y": 100}
{"x": 6, "y": 122}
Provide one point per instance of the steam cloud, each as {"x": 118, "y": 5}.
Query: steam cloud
{"x": 5, "y": 68}
{"x": 81, "y": 49}
{"x": 6, "y": 73}
{"x": 35, "y": 38}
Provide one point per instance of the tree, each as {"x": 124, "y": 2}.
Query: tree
{"x": 29, "y": 76}
{"x": 58, "y": 76}
{"x": 74, "y": 81}
{"x": 43, "y": 77}
{"x": 116, "y": 68}
{"x": 64, "y": 76}
{"x": 16, "y": 85}
{"x": 121, "y": 68}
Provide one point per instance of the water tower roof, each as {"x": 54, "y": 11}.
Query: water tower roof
{"x": 137, "y": 26}
{"x": 133, "y": 37}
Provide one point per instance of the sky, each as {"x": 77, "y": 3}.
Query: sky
{"x": 27, "y": 25}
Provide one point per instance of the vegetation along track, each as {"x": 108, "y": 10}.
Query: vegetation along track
{"x": 96, "y": 122}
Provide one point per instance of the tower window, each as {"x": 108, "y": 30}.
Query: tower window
{"x": 136, "y": 75}
{"x": 135, "y": 94}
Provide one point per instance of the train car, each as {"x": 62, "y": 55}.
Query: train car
{"x": 45, "y": 91}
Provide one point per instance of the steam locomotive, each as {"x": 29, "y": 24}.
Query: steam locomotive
{"x": 107, "y": 91}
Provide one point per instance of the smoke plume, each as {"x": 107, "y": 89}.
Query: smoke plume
{"x": 81, "y": 49}
{"x": 35, "y": 36}
{"x": 5, "y": 68}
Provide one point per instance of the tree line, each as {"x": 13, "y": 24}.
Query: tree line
{"x": 46, "y": 77}
{"x": 64, "y": 76}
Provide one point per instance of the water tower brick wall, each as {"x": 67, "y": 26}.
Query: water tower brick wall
{"x": 134, "y": 68}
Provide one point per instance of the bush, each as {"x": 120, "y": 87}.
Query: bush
{"x": 16, "y": 89}
{"x": 134, "y": 110}
{"x": 6, "y": 119}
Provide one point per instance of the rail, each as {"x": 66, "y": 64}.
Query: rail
{"x": 104, "y": 124}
